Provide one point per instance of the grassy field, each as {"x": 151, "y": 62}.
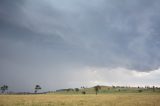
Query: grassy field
{"x": 119, "y": 99}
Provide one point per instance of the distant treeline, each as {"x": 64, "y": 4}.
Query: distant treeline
{"x": 96, "y": 89}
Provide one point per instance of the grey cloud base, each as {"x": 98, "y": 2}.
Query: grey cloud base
{"x": 48, "y": 37}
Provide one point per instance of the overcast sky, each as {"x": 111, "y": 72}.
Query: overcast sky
{"x": 73, "y": 43}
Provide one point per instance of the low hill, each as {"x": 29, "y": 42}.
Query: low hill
{"x": 110, "y": 89}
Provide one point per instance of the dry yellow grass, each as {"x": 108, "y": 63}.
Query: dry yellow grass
{"x": 81, "y": 100}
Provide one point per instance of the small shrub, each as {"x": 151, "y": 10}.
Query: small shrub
{"x": 140, "y": 91}
{"x": 84, "y": 92}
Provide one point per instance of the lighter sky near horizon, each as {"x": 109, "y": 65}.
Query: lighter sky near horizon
{"x": 72, "y": 43}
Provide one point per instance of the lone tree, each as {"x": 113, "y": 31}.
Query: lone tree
{"x": 77, "y": 89}
{"x": 97, "y": 88}
{"x": 37, "y": 87}
{"x": 153, "y": 88}
{"x": 4, "y": 88}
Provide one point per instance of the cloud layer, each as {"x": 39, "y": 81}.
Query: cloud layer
{"x": 43, "y": 41}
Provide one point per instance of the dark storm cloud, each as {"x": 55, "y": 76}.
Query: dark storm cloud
{"x": 42, "y": 40}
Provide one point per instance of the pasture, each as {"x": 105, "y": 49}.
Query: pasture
{"x": 113, "y": 99}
